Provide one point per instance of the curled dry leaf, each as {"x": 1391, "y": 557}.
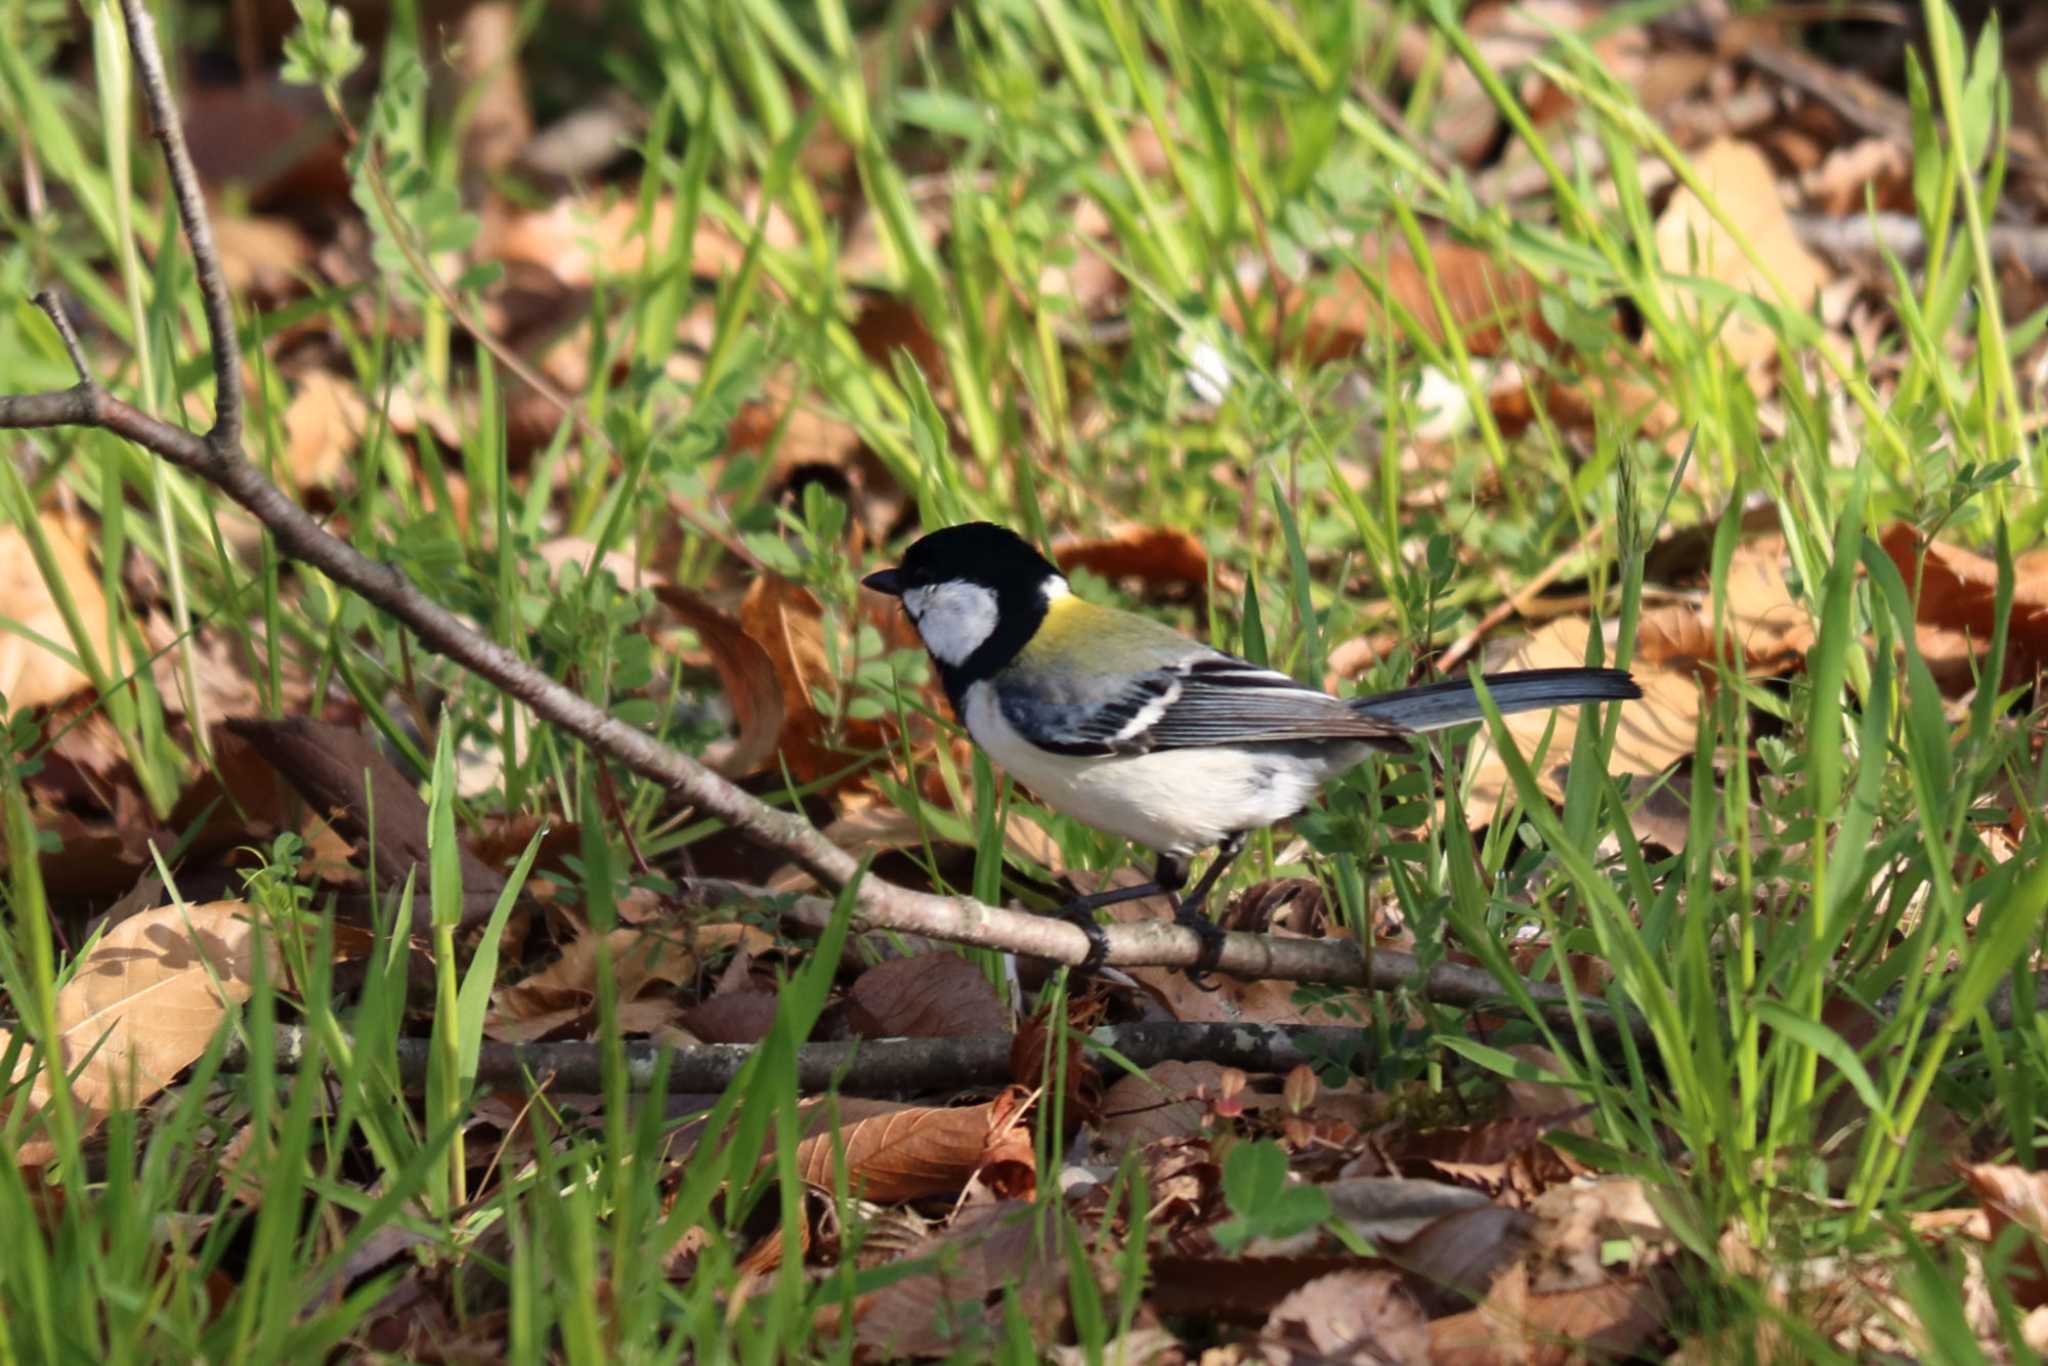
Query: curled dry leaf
{"x": 906, "y": 1152}
{"x": 31, "y": 673}
{"x": 933, "y": 995}
{"x": 1657, "y": 729}
{"x": 1692, "y": 242}
{"x": 746, "y": 672}
{"x": 2013, "y": 1195}
{"x": 788, "y": 622}
{"x": 1956, "y": 604}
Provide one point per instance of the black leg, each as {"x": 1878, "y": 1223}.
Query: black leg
{"x": 1081, "y": 910}
{"x": 1191, "y": 911}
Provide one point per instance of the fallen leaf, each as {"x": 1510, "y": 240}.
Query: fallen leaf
{"x": 145, "y": 1001}
{"x": 747, "y": 674}
{"x": 933, "y": 995}
{"x": 1657, "y": 730}
{"x": 322, "y": 425}
{"x": 906, "y": 1152}
{"x": 1517, "y": 1326}
{"x": 1158, "y": 557}
{"x": 732, "y": 1017}
{"x": 265, "y": 257}
{"x": 1692, "y": 242}
{"x": 1347, "y": 1316}
{"x": 994, "y": 1261}
{"x": 31, "y": 673}
{"x": 643, "y": 957}
{"x": 2014, "y": 1195}
{"x": 601, "y": 236}
{"x": 1956, "y": 594}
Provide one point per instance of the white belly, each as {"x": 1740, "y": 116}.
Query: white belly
{"x": 1171, "y": 800}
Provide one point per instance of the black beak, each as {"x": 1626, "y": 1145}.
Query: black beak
{"x": 888, "y": 581}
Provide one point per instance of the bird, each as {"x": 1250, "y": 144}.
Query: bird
{"x": 1131, "y": 727}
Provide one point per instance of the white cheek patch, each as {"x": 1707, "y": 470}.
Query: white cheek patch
{"x": 955, "y": 619}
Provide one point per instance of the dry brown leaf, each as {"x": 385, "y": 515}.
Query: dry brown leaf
{"x": 788, "y": 622}
{"x": 1836, "y": 186}
{"x": 1515, "y": 1326}
{"x": 581, "y": 240}
{"x": 564, "y": 992}
{"x": 748, "y": 676}
{"x": 145, "y": 1001}
{"x": 1155, "y": 556}
{"x": 2014, "y": 1195}
{"x": 906, "y": 1152}
{"x": 261, "y": 256}
{"x": 1486, "y": 301}
{"x": 31, "y": 675}
{"x": 1691, "y": 241}
{"x": 994, "y": 1261}
{"x": 1769, "y": 625}
{"x": 933, "y": 995}
{"x": 1957, "y": 597}
{"x": 732, "y": 1017}
{"x": 1657, "y": 729}
{"x": 1347, "y": 1316}
{"x": 322, "y": 426}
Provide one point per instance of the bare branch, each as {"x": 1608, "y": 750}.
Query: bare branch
{"x": 871, "y": 1067}
{"x": 226, "y": 435}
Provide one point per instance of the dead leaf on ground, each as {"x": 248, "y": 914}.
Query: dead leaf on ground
{"x": 31, "y": 673}
{"x": 1158, "y": 557}
{"x": 602, "y": 236}
{"x": 1692, "y": 242}
{"x": 1518, "y": 1326}
{"x": 145, "y": 1002}
{"x": 788, "y": 622}
{"x": 1956, "y": 607}
{"x": 564, "y": 993}
{"x": 747, "y": 674}
{"x": 264, "y": 257}
{"x": 1657, "y": 729}
{"x": 1337, "y": 315}
{"x": 933, "y": 995}
{"x": 2013, "y": 1195}
{"x": 994, "y": 1261}
{"x": 906, "y": 1152}
{"x": 323, "y": 423}
{"x": 1347, "y": 1316}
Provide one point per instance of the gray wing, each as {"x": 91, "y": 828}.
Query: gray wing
{"x": 1212, "y": 699}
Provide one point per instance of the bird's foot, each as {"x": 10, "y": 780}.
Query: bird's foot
{"x": 1192, "y": 916}
{"x": 1083, "y": 919}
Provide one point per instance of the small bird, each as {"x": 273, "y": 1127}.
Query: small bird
{"x": 1124, "y": 723}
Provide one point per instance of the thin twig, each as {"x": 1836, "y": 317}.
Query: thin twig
{"x": 217, "y": 458}
{"x": 226, "y": 434}
{"x": 51, "y": 304}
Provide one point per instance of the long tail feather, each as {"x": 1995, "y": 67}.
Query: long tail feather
{"x": 1436, "y": 705}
